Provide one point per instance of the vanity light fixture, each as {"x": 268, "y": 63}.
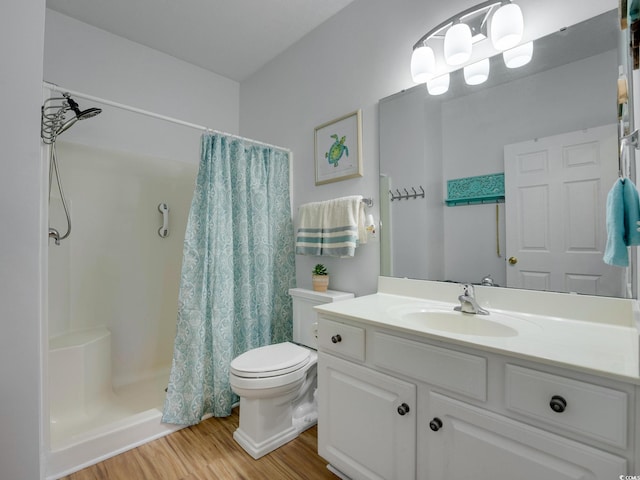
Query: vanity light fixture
{"x": 457, "y": 44}
{"x": 507, "y": 27}
{"x": 477, "y": 73}
{"x": 423, "y": 64}
{"x": 489, "y": 28}
{"x": 438, "y": 85}
{"x": 518, "y": 56}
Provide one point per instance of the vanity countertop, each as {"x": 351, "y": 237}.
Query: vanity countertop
{"x": 606, "y": 348}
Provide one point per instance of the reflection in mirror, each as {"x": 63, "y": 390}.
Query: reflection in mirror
{"x": 551, "y": 128}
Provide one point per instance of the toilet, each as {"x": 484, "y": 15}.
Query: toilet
{"x": 277, "y": 383}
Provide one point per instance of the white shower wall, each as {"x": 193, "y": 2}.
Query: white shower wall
{"x": 86, "y": 59}
{"x": 115, "y": 271}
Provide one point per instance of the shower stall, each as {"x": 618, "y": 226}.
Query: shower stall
{"x": 113, "y": 281}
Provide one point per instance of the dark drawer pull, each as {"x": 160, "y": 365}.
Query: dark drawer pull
{"x": 403, "y": 409}
{"x": 558, "y": 404}
{"x": 336, "y": 338}
{"x": 435, "y": 424}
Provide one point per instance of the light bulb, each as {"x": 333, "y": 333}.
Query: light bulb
{"x": 519, "y": 56}
{"x": 438, "y": 85}
{"x": 423, "y": 64}
{"x": 507, "y": 27}
{"x": 457, "y": 44}
{"x": 477, "y": 73}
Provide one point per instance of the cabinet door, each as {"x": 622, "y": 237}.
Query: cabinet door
{"x": 474, "y": 443}
{"x": 366, "y": 421}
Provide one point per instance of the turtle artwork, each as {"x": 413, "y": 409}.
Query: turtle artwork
{"x": 336, "y": 150}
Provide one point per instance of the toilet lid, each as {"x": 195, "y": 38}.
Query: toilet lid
{"x": 270, "y": 361}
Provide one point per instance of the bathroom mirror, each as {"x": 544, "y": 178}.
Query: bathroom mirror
{"x": 566, "y": 94}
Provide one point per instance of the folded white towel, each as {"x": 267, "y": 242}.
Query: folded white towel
{"x": 331, "y": 228}
{"x": 309, "y": 235}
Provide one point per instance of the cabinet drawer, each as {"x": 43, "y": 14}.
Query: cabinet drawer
{"x": 473, "y": 443}
{"x": 345, "y": 340}
{"x": 456, "y": 371}
{"x": 591, "y": 410}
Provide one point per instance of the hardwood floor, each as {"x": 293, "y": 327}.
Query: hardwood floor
{"x": 208, "y": 451}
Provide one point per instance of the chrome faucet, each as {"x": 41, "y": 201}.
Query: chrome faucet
{"x": 487, "y": 281}
{"x": 468, "y": 303}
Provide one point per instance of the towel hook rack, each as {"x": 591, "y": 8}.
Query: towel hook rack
{"x": 406, "y": 195}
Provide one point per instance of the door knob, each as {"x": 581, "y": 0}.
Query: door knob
{"x": 403, "y": 409}
{"x": 513, "y": 260}
{"x": 336, "y": 338}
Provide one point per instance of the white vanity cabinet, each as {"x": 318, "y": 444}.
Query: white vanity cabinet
{"x": 398, "y": 406}
{"x": 370, "y": 432}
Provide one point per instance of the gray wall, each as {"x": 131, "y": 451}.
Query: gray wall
{"x": 350, "y": 62}
{"x": 22, "y": 239}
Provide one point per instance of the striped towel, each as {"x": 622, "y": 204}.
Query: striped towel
{"x": 333, "y": 228}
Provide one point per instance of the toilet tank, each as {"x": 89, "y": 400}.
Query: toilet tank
{"x": 305, "y": 317}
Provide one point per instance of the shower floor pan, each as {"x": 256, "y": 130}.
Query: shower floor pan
{"x": 89, "y": 420}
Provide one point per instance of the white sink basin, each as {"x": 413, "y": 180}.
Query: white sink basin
{"x": 458, "y": 323}
{"x": 440, "y": 318}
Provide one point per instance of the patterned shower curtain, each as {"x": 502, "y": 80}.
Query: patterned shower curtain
{"x": 237, "y": 267}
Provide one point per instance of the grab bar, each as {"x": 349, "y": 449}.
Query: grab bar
{"x": 163, "y": 231}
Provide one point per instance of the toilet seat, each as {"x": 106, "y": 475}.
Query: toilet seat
{"x": 271, "y": 361}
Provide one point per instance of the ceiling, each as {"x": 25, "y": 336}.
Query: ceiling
{"x": 233, "y": 38}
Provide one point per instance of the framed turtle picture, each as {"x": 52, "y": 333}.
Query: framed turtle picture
{"x": 338, "y": 152}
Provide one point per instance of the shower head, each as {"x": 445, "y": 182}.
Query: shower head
{"x": 88, "y": 113}
{"x": 79, "y": 114}
{"x": 84, "y": 114}
{"x": 53, "y": 116}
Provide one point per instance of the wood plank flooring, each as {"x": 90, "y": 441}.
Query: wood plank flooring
{"x": 208, "y": 451}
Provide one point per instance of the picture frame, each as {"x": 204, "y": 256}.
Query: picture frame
{"x": 338, "y": 149}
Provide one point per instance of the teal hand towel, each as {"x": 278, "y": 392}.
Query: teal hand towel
{"x": 631, "y": 213}
{"x": 615, "y": 252}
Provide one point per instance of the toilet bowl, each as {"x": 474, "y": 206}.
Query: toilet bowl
{"x": 277, "y": 398}
{"x": 277, "y": 383}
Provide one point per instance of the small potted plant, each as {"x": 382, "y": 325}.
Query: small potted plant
{"x": 320, "y": 278}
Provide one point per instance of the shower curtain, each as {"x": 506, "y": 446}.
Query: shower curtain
{"x": 237, "y": 267}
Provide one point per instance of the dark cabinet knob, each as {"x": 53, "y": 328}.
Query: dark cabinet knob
{"x": 435, "y": 424}
{"x": 403, "y": 409}
{"x": 336, "y": 338}
{"x": 558, "y": 404}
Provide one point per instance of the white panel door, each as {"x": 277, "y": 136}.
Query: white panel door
{"x": 366, "y": 421}
{"x": 556, "y": 189}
